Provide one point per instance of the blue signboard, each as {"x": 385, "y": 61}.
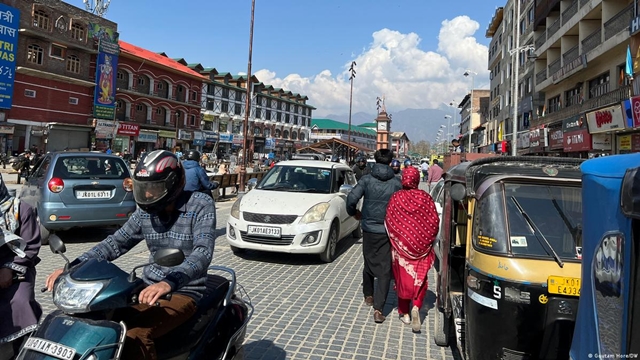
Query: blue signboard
{"x": 210, "y": 136}
{"x": 104, "y": 104}
{"x": 198, "y": 142}
{"x": 226, "y": 138}
{"x": 9, "y": 22}
{"x": 270, "y": 143}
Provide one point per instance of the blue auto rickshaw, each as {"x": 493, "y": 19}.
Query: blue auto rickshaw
{"x": 607, "y": 320}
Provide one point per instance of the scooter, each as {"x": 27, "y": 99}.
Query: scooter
{"x": 88, "y": 294}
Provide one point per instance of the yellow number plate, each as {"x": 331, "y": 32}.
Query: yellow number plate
{"x": 563, "y": 285}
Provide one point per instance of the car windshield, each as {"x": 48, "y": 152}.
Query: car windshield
{"x": 297, "y": 179}
{"x": 90, "y": 167}
{"x": 540, "y": 220}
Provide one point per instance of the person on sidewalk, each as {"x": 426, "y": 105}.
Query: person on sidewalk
{"x": 376, "y": 188}
{"x": 196, "y": 177}
{"x": 435, "y": 173}
{"x": 412, "y": 223}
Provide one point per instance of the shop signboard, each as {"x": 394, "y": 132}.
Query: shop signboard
{"x": 279, "y": 143}
{"x": 198, "y": 138}
{"x": 6, "y": 129}
{"x": 167, "y": 134}
{"x": 210, "y": 136}
{"x": 626, "y": 108}
{"x": 259, "y": 140}
{"x": 288, "y": 144}
{"x": 105, "y": 129}
{"x": 606, "y": 119}
{"x": 9, "y": 23}
{"x": 635, "y": 143}
{"x": 270, "y": 143}
{"x": 523, "y": 140}
{"x": 198, "y": 142}
{"x": 238, "y": 140}
{"x": 128, "y": 129}
{"x": 556, "y": 138}
{"x": 635, "y": 110}
{"x": 576, "y": 135}
{"x": 537, "y": 139}
{"x": 624, "y": 142}
{"x": 147, "y": 136}
{"x": 184, "y": 134}
{"x": 226, "y": 138}
{"x": 601, "y": 142}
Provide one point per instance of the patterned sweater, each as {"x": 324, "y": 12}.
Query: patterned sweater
{"x": 191, "y": 230}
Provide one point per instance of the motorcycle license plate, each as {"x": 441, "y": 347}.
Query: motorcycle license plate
{"x": 563, "y": 285}
{"x": 50, "y": 348}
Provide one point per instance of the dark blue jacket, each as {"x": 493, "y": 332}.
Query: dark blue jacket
{"x": 377, "y": 188}
{"x": 196, "y": 177}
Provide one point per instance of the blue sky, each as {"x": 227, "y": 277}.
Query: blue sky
{"x": 297, "y": 42}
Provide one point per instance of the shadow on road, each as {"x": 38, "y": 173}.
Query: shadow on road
{"x": 86, "y": 235}
{"x": 263, "y": 349}
{"x": 295, "y": 259}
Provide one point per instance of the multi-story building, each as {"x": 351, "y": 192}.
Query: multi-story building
{"x": 55, "y": 76}
{"x": 400, "y": 144}
{"x": 580, "y": 72}
{"x": 473, "y": 111}
{"x": 158, "y": 101}
{"x": 279, "y": 121}
{"x": 499, "y": 93}
{"x": 323, "y": 129}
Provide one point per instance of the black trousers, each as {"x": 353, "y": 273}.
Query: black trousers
{"x": 376, "y": 250}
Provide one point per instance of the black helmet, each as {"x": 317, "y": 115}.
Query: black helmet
{"x": 193, "y": 155}
{"x": 157, "y": 181}
{"x": 335, "y": 158}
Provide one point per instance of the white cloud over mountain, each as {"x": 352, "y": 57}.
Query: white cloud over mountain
{"x": 395, "y": 66}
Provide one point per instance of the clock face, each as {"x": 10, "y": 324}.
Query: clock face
{"x": 382, "y": 126}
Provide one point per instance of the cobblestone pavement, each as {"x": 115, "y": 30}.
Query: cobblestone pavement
{"x": 304, "y": 309}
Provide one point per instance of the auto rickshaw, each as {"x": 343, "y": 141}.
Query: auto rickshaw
{"x": 608, "y": 319}
{"x": 509, "y": 257}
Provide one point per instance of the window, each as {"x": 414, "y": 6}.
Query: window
{"x": 139, "y": 107}
{"x": 73, "y": 100}
{"x": 572, "y": 97}
{"x": 297, "y": 178}
{"x": 523, "y": 26}
{"x": 77, "y": 32}
{"x": 73, "y": 64}
{"x": 192, "y": 120}
{"x": 120, "y": 75}
{"x": 224, "y": 107}
{"x": 141, "y": 81}
{"x": 160, "y": 85}
{"x": 225, "y": 93}
{"x": 624, "y": 79}
{"x": 41, "y": 19}
{"x": 554, "y": 104}
{"x": 119, "y": 104}
{"x": 210, "y": 104}
{"x": 90, "y": 167}
{"x": 532, "y": 15}
{"x": 158, "y": 111}
{"x": 34, "y": 54}
{"x": 599, "y": 86}
{"x": 30, "y": 93}
{"x": 56, "y": 51}
{"x": 194, "y": 96}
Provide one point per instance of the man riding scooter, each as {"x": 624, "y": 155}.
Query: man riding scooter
{"x": 167, "y": 217}
{"x": 361, "y": 169}
{"x": 197, "y": 179}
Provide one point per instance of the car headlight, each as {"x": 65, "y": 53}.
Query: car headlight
{"x": 235, "y": 209}
{"x": 74, "y": 296}
{"x": 315, "y": 214}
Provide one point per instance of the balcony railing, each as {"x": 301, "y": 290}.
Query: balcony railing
{"x": 569, "y": 12}
{"x": 541, "y": 39}
{"x": 618, "y": 22}
{"x": 541, "y": 76}
{"x": 612, "y": 97}
{"x": 571, "y": 54}
{"x": 592, "y": 41}
{"x": 553, "y": 28}
{"x": 584, "y": 2}
{"x": 554, "y": 66}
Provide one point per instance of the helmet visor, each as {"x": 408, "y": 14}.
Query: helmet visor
{"x": 149, "y": 192}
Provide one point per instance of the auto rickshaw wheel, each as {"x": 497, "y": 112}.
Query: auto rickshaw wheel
{"x": 443, "y": 328}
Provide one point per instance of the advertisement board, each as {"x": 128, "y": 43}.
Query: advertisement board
{"x": 104, "y": 103}
{"x": 9, "y": 23}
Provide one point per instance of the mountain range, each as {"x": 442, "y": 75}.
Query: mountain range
{"x": 418, "y": 124}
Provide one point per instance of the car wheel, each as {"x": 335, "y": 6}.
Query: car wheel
{"x": 44, "y": 235}
{"x": 329, "y": 253}
{"x": 442, "y": 323}
{"x": 236, "y": 250}
{"x": 357, "y": 233}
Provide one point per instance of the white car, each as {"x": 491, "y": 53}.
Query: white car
{"x": 298, "y": 207}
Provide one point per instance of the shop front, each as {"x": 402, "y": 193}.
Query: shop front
{"x": 555, "y": 139}
{"x": 67, "y": 136}
{"x": 184, "y": 139}
{"x": 538, "y": 140}
{"x": 210, "y": 140}
{"x": 259, "y": 145}
{"x": 602, "y": 123}
{"x": 103, "y": 134}
{"x": 289, "y": 148}
{"x": 225, "y": 143}
{"x": 198, "y": 140}
{"x": 166, "y": 139}
{"x": 628, "y": 141}
{"x": 576, "y": 138}
{"x": 124, "y": 140}
{"x": 6, "y": 134}
{"x": 523, "y": 141}
{"x": 146, "y": 140}
{"x": 269, "y": 145}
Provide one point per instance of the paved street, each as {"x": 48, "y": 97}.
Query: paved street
{"x": 304, "y": 309}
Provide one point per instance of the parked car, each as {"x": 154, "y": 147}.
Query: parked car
{"x": 79, "y": 189}
{"x": 298, "y": 207}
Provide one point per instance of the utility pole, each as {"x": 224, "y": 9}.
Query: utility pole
{"x": 247, "y": 107}
{"x": 352, "y": 71}
{"x": 472, "y": 74}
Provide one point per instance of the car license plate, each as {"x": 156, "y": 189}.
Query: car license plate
{"x": 563, "y": 285}
{"x": 263, "y": 231}
{"x": 93, "y": 194}
{"x": 50, "y": 348}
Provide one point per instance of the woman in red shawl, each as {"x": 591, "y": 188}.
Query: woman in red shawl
{"x": 412, "y": 223}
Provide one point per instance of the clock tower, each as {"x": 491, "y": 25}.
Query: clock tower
{"x": 383, "y": 130}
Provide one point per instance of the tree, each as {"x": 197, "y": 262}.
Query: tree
{"x": 423, "y": 147}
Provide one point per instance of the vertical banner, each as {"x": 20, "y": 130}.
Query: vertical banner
{"x": 9, "y": 22}
{"x": 104, "y": 104}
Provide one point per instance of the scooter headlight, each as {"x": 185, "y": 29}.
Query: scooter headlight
{"x": 73, "y": 296}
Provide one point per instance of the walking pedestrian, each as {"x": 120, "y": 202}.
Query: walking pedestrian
{"x": 412, "y": 223}
{"x": 425, "y": 170}
{"x": 435, "y": 173}
{"x": 376, "y": 188}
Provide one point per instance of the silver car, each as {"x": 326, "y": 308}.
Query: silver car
{"x": 79, "y": 189}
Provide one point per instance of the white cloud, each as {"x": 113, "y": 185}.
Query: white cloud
{"x": 395, "y": 66}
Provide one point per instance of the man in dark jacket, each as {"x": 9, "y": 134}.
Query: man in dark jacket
{"x": 361, "y": 169}
{"x": 196, "y": 177}
{"x": 377, "y": 188}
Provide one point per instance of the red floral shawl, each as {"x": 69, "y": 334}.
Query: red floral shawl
{"x": 412, "y": 220}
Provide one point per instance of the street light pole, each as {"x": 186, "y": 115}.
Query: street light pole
{"x": 352, "y": 70}
{"x": 247, "y": 106}
{"x": 472, "y": 74}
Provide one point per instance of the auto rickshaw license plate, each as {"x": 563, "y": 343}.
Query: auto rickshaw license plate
{"x": 563, "y": 285}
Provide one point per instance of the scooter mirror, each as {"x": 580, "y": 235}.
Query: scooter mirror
{"x": 458, "y": 192}
{"x": 56, "y": 245}
{"x": 168, "y": 257}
